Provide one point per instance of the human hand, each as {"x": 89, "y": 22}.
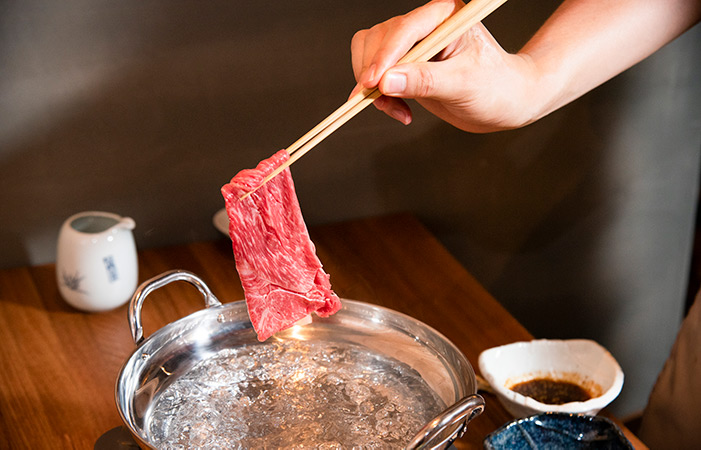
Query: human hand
{"x": 473, "y": 84}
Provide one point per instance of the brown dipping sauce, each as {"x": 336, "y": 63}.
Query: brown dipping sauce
{"x": 552, "y": 392}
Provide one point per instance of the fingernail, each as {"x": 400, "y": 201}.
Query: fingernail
{"x": 403, "y": 117}
{"x": 395, "y": 83}
{"x": 400, "y": 115}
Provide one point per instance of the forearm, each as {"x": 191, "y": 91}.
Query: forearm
{"x": 587, "y": 42}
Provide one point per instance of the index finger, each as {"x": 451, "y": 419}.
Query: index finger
{"x": 402, "y": 33}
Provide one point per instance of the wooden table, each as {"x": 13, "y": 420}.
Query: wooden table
{"x": 60, "y": 365}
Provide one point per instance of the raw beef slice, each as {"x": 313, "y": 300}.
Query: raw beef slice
{"x": 282, "y": 277}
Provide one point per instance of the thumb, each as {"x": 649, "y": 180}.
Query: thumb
{"x": 411, "y": 81}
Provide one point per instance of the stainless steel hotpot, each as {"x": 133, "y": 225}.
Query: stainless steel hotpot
{"x": 169, "y": 352}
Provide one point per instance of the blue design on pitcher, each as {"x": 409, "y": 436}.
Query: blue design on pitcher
{"x": 72, "y": 282}
{"x": 111, "y": 268}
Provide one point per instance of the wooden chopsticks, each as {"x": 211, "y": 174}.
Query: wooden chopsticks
{"x": 455, "y": 25}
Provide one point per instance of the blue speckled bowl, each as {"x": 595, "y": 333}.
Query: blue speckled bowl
{"x": 558, "y": 430}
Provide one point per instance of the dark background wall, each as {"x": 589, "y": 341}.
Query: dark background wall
{"x": 580, "y": 224}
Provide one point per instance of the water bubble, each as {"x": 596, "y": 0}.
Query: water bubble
{"x": 357, "y": 391}
{"x": 384, "y": 426}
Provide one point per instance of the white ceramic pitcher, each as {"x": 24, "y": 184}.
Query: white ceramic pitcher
{"x": 96, "y": 262}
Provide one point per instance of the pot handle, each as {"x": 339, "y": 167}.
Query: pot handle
{"x": 148, "y": 286}
{"x": 461, "y": 413}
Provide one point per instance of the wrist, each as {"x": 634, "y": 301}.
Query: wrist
{"x": 536, "y": 92}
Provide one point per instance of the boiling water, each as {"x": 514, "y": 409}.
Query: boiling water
{"x": 293, "y": 394}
